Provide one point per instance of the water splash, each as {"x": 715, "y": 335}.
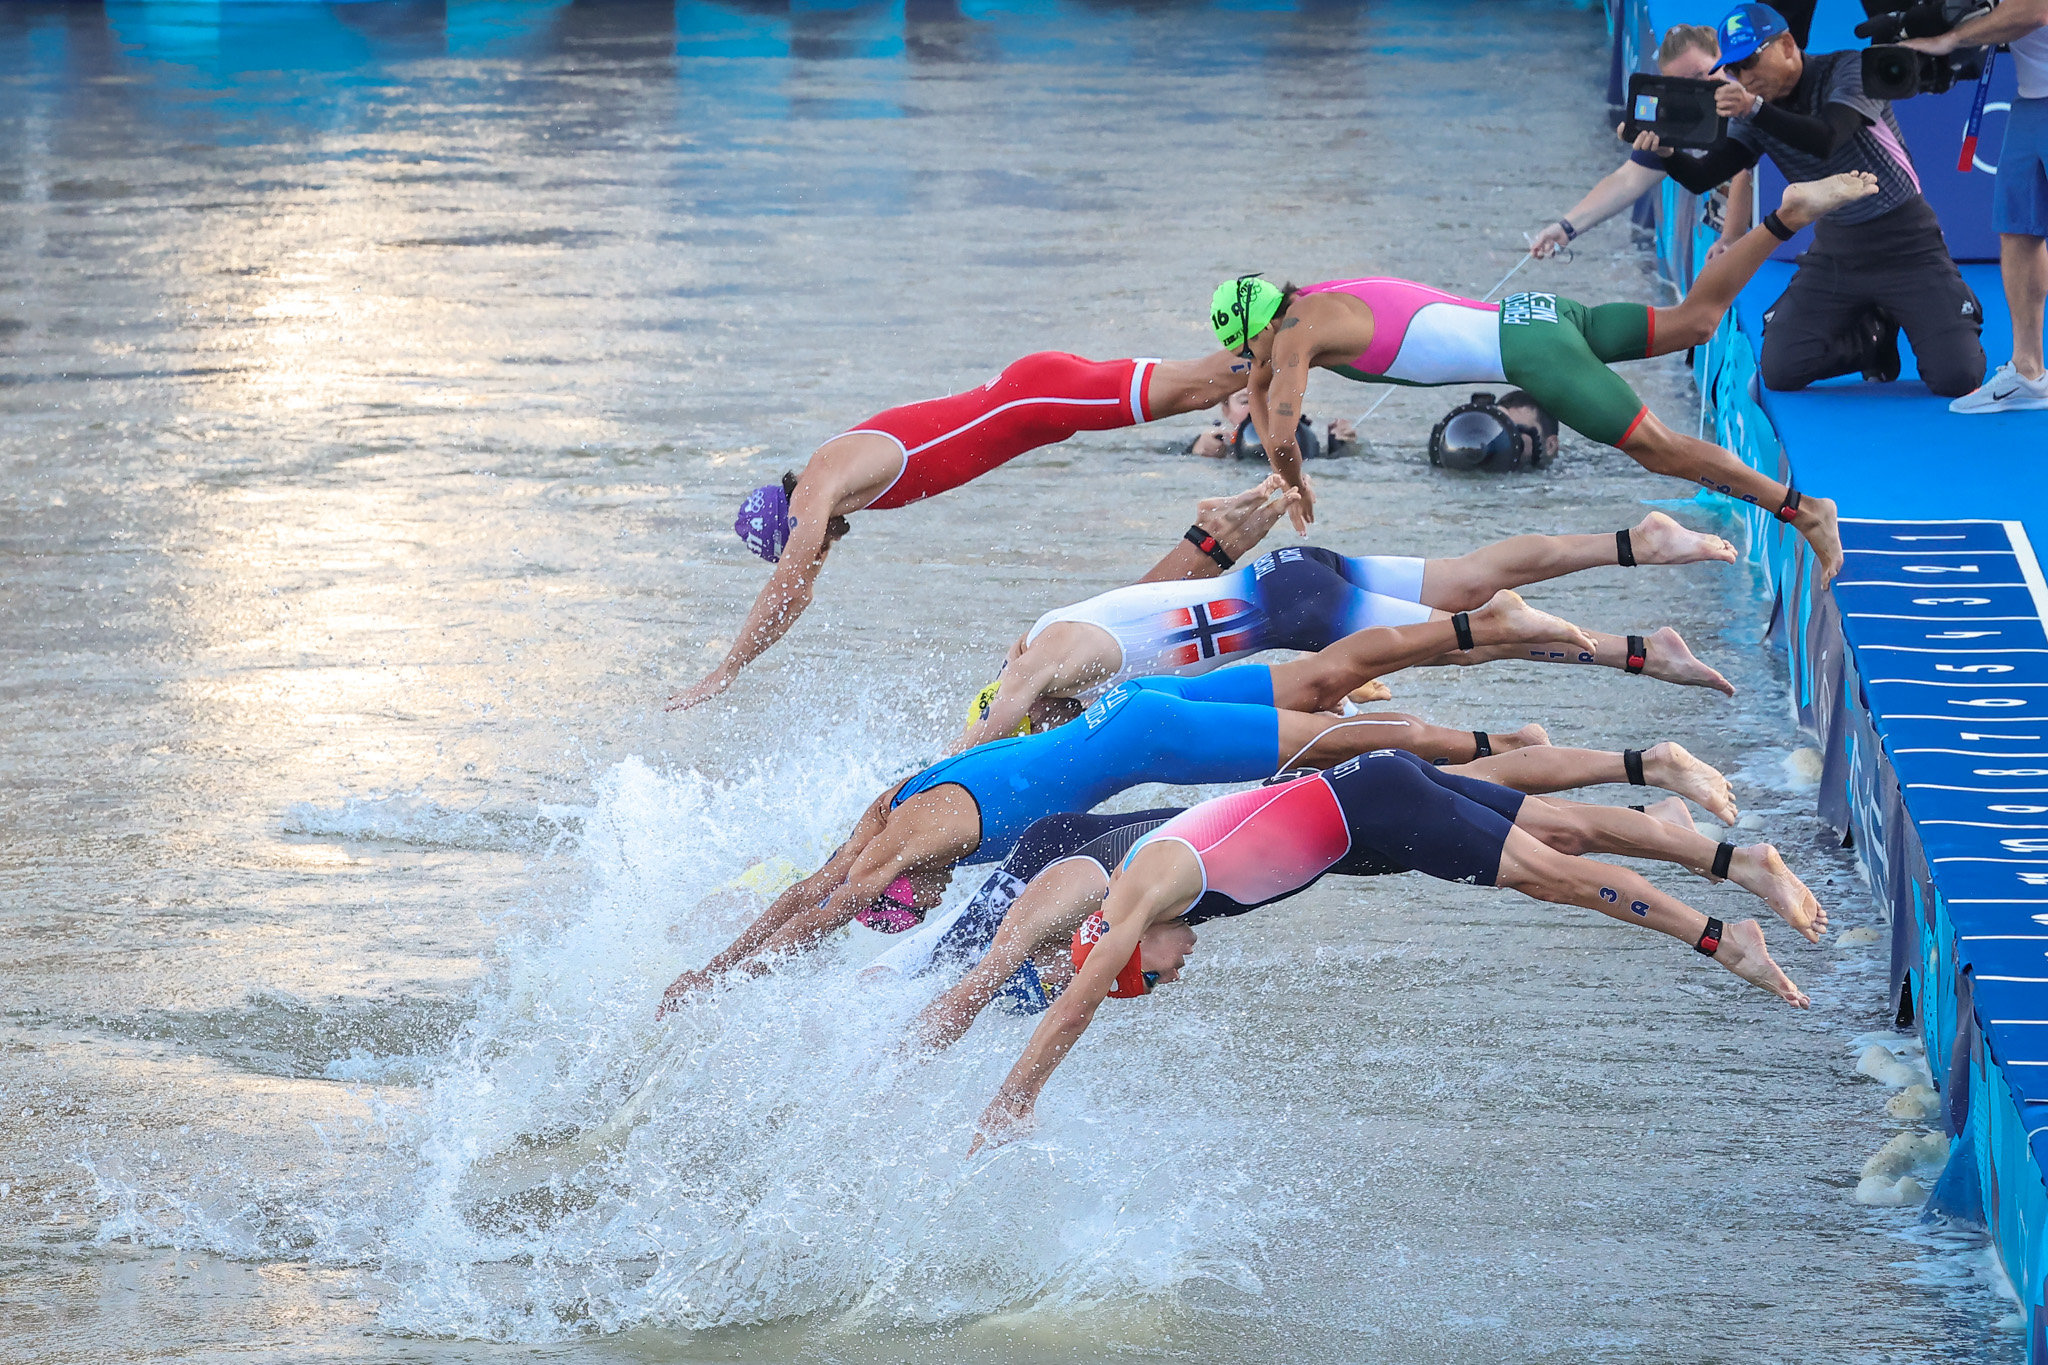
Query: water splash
{"x": 781, "y": 1156}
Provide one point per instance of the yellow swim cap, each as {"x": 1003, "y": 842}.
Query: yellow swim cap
{"x": 977, "y": 709}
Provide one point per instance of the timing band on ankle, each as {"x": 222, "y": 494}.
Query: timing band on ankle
{"x": 1462, "y": 624}
{"x": 1723, "y": 855}
{"x": 1710, "y": 938}
{"x": 1791, "y": 507}
{"x": 1485, "y": 745}
{"x": 1206, "y": 543}
{"x": 1632, "y": 764}
{"x": 1624, "y": 552}
{"x": 1637, "y": 654}
{"x": 1777, "y": 227}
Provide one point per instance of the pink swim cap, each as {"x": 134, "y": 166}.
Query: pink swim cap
{"x": 896, "y": 911}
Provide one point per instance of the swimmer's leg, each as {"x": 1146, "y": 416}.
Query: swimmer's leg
{"x": 1323, "y": 741}
{"x": 1695, "y": 318}
{"x": 1550, "y": 769}
{"x": 1661, "y": 450}
{"x": 1320, "y": 681}
{"x": 1465, "y": 582}
{"x": 1047, "y": 913}
{"x": 1665, "y": 657}
{"x": 1536, "y": 870}
{"x": 1572, "y": 827}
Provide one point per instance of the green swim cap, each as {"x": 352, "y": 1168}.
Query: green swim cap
{"x": 1241, "y": 308}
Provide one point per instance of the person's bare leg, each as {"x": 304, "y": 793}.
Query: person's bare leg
{"x": 1465, "y": 582}
{"x": 1672, "y": 810}
{"x": 1552, "y": 769}
{"x": 1661, "y": 450}
{"x": 1320, "y": 681}
{"x": 1535, "y": 870}
{"x": 1574, "y": 827}
{"x": 1693, "y": 320}
{"x": 1178, "y": 386}
{"x": 2023, "y": 266}
{"x": 1323, "y": 741}
{"x": 1665, "y": 658}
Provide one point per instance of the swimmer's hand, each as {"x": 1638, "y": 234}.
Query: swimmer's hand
{"x": 701, "y": 693}
{"x": 681, "y": 989}
{"x": 1302, "y": 510}
{"x": 1006, "y": 1119}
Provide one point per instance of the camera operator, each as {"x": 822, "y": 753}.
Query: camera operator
{"x": 2019, "y": 205}
{"x": 1876, "y": 265}
{"x": 1688, "y": 51}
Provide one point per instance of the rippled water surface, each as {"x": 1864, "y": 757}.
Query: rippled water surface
{"x": 378, "y": 381}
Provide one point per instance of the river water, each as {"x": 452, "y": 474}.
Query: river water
{"x": 378, "y": 383}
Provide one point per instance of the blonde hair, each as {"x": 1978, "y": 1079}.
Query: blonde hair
{"x": 1679, "y": 37}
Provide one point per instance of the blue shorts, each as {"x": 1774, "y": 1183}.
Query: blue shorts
{"x": 2019, "y": 199}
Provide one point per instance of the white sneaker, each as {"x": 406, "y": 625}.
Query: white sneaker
{"x": 2006, "y": 391}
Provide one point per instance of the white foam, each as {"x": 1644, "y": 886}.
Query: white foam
{"x": 781, "y": 1157}
{"x": 412, "y": 819}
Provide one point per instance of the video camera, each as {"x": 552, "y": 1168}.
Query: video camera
{"x": 1895, "y": 73}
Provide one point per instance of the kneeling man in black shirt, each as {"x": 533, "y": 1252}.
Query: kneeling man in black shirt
{"x": 1877, "y": 265}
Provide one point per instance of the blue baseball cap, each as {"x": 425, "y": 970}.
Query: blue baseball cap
{"x": 1746, "y": 30}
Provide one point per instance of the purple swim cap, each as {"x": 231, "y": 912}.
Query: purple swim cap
{"x": 764, "y": 522}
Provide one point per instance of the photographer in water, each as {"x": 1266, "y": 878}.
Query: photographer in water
{"x": 1688, "y": 52}
{"x": 1232, "y": 436}
{"x": 1877, "y": 265}
{"x": 2019, "y": 203}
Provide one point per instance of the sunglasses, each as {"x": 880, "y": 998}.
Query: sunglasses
{"x": 1748, "y": 64}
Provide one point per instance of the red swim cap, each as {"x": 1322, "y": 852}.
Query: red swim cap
{"x": 1132, "y": 980}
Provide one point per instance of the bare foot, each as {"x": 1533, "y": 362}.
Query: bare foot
{"x": 1810, "y": 199}
{"x": 1742, "y": 952}
{"x": 1670, "y": 661}
{"x": 1669, "y": 766}
{"x": 1372, "y": 691}
{"x": 1816, "y": 521}
{"x": 1507, "y": 620}
{"x": 1759, "y": 870}
{"x": 1658, "y": 539}
{"x": 1530, "y": 736}
{"x": 1672, "y": 810}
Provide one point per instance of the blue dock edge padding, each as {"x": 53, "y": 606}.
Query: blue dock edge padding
{"x": 1922, "y": 675}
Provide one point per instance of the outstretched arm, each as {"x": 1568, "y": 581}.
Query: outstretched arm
{"x": 803, "y": 898}
{"x": 1286, "y": 390}
{"x": 1617, "y": 189}
{"x": 1055, "y": 903}
{"x": 781, "y": 601}
{"x": 1157, "y": 885}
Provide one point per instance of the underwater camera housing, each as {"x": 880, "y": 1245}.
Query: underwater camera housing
{"x": 1479, "y": 434}
{"x": 1891, "y": 72}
